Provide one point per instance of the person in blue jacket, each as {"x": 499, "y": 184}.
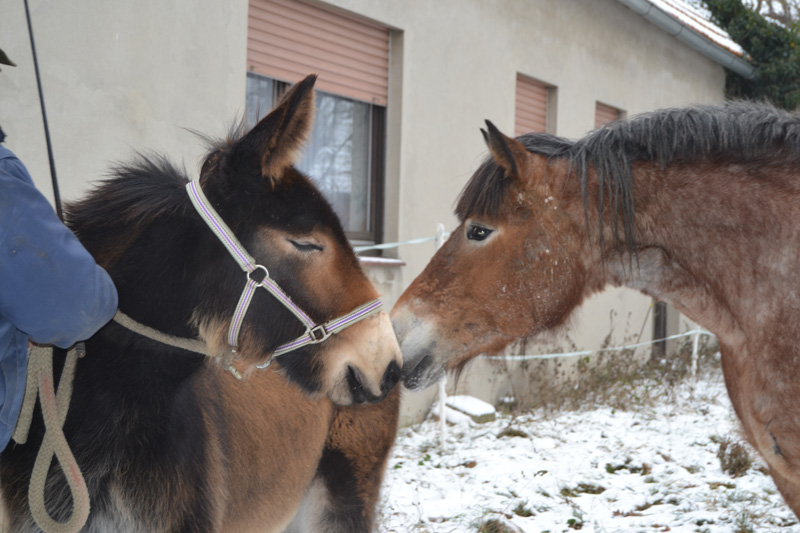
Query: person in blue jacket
{"x": 51, "y": 289}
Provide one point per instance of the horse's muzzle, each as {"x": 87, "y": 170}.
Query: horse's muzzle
{"x": 360, "y": 395}
{"x": 419, "y": 345}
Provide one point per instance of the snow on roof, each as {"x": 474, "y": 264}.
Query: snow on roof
{"x": 697, "y": 17}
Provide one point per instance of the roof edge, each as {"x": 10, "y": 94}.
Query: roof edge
{"x": 691, "y": 37}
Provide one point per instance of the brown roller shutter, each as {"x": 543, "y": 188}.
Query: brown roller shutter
{"x": 531, "y": 106}
{"x": 603, "y": 114}
{"x": 289, "y": 39}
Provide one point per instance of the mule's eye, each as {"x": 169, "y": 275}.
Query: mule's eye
{"x": 478, "y": 233}
{"x": 306, "y": 246}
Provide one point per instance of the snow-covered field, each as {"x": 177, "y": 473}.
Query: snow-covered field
{"x": 652, "y": 467}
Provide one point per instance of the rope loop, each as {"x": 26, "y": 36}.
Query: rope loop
{"x": 54, "y": 411}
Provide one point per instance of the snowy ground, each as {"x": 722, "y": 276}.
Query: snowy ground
{"x": 650, "y": 468}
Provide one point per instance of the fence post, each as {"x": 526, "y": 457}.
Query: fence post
{"x": 695, "y": 349}
{"x": 439, "y": 241}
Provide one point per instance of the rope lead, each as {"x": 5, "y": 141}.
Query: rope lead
{"x": 54, "y": 411}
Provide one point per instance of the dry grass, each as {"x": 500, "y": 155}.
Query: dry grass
{"x": 622, "y": 380}
{"x": 734, "y": 459}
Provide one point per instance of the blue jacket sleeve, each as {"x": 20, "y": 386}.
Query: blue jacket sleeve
{"x": 50, "y": 286}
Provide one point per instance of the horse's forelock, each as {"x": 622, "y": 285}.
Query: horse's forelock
{"x": 483, "y": 193}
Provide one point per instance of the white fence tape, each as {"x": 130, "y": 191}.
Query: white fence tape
{"x": 386, "y": 246}
{"x": 696, "y": 332}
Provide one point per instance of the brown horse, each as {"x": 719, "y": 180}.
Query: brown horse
{"x": 699, "y": 207}
{"x": 169, "y": 440}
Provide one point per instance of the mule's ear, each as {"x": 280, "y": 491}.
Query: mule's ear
{"x": 507, "y": 152}
{"x": 278, "y": 138}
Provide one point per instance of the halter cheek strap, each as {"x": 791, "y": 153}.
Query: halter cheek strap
{"x": 258, "y": 276}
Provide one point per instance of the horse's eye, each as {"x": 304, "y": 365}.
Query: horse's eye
{"x": 478, "y": 233}
{"x": 306, "y": 246}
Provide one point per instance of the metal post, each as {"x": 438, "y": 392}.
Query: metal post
{"x": 56, "y": 194}
{"x": 695, "y": 349}
{"x": 439, "y": 242}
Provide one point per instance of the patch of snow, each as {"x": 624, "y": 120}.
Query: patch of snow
{"x": 450, "y": 415}
{"x": 698, "y": 18}
{"x": 650, "y": 468}
{"x": 470, "y": 405}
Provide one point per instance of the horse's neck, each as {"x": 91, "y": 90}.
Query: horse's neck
{"x": 719, "y": 242}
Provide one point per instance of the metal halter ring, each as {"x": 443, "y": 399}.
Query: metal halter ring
{"x": 256, "y": 274}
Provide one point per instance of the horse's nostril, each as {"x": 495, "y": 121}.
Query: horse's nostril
{"x": 390, "y": 377}
{"x": 354, "y": 375}
{"x": 356, "y": 388}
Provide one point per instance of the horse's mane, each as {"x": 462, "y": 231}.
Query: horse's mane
{"x": 736, "y": 131}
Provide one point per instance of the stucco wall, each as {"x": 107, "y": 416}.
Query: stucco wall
{"x": 119, "y": 76}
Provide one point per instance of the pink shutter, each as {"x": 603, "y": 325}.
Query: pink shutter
{"x": 603, "y": 114}
{"x": 289, "y": 39}
{"x": 531, "y": 106}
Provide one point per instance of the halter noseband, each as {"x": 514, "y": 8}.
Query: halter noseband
{"x": 258, "y": 276}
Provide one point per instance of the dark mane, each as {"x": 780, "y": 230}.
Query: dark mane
{"x": 736, "y": 131}
{"x": 136, "y": 193}
{"x": 131, "y": 197}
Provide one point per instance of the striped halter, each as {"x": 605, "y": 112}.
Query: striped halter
{"x": 258, "y": 276}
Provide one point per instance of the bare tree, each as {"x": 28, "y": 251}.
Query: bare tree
{"x": 784, "y": 12}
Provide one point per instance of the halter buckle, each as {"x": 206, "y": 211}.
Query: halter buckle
{"x": 318, "y": 334}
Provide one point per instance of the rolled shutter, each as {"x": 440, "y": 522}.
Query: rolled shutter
{"x": 530, "y": 106}
{"x": 289, "y": 39}
{"x": 603, "y": 114}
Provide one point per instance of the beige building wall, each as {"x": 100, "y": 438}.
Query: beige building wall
{"x": 119, "y": 76}
{"x": 122, "y": 76}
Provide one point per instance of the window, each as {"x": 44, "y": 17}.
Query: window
{"x": 288, "y": 39}
{"x": 344, "y": 155}
{"x": 534, "y": 110}
{"x": 603, "y": 114}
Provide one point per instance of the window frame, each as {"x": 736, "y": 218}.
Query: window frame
{"x": 376, "y": 165}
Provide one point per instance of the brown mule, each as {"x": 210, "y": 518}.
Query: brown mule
{"x": 171, "y": 441}
{"x": 699, "y": 207}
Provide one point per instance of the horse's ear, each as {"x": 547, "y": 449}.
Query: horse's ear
{"x": 278, "y": 138}
{"x": 507, "y": 152}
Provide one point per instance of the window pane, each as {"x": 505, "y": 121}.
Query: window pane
{"x": 337, "y": 158}
{"x": 260, "y": 91}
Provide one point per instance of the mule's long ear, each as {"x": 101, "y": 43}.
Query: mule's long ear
{"x": 277, "y": 139}
{"x": 507, "y": 152}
